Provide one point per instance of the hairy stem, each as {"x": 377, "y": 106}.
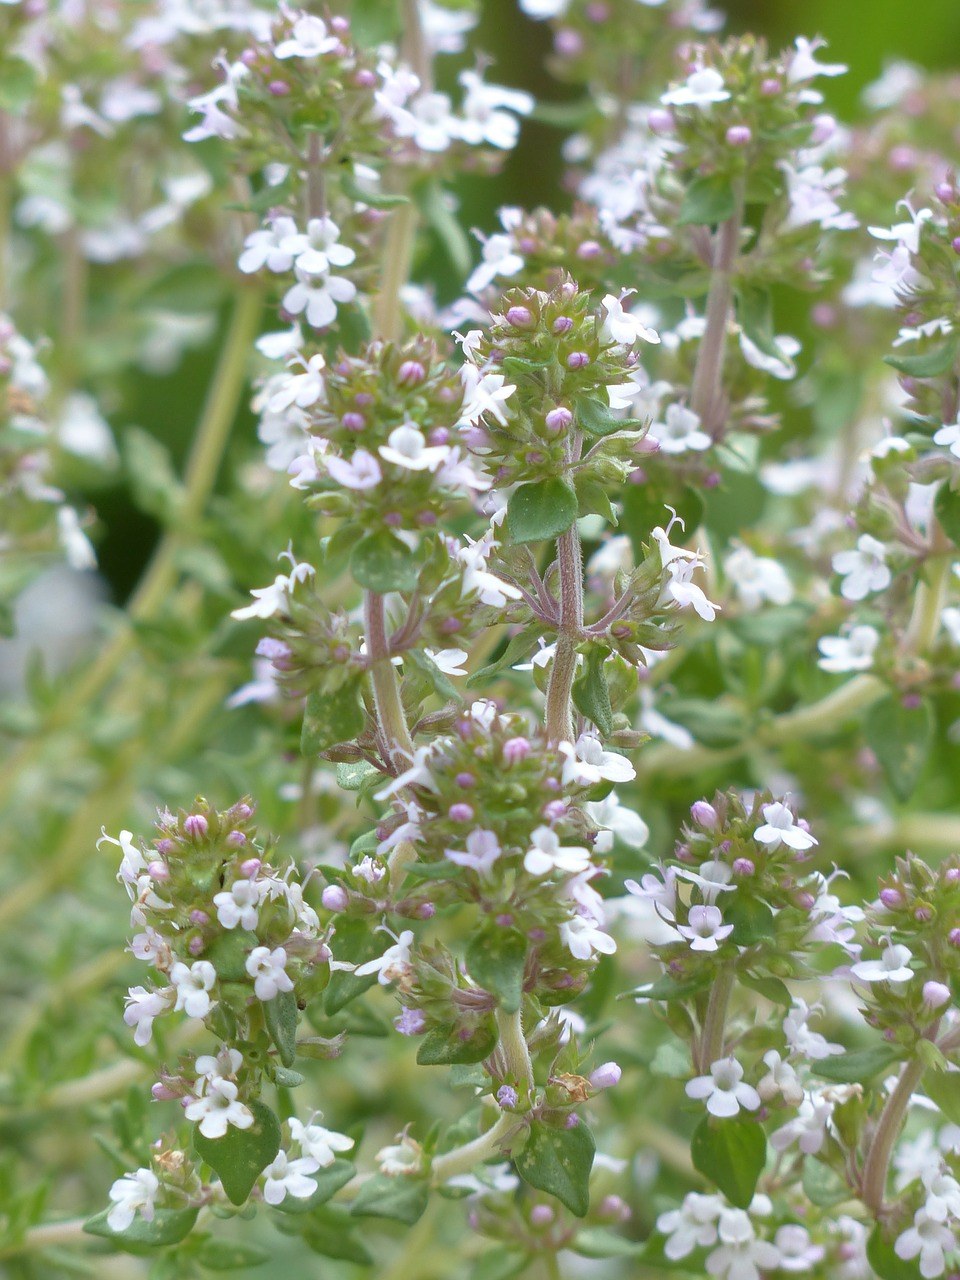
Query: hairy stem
{"x": 711, "y": 1036}
{"x": 928, "y": 605}
{"x": 874, "y": 1180}
{"x": 559, "y": 711}
{"x": 705, "y": 390}
{"x": 391, "y": 721}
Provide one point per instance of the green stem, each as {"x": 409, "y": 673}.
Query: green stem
{"x": 711, "y": 1036}
{"x": 559, "y": 709}
{"x": 706, "y": 388}
{"x": 395, "y": 736}
{"x": 48, "y": 1235}
{"x": 397, "y": 259}
{"x": 928, "y": 605}
{"x": 874, "y": 1182}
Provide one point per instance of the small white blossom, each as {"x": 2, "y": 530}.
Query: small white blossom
{"x": 623, "y": 326}
{"x": 482, "y": 851}
{"x": 803, "y": 1042}
{"x": 394, "y": 965}
{"x": 615, "y": 819}
{"x": 949, "y": 436}
{"x": 193, "y": 986}
{"x": 803, "y": 65}
{"x": 692, "y": 1226}
{"x": 239, "y": 906}
{"x": 863, "y": 570}
{"x": 309, "y": 39}
{"x": 781, "y": 827}
{"x": 583, "y": 937}
{"x": 929, "y": 1241}
{"x": 757, "y": 579}
{"x": 487, "y": 112}
{"x": 142, "y": 1006}
{"x": 587, "y": 762}
{"x": 268, "y": 970}
{"x": 808, "y": 1129}
{"x": 797, "y": 1251}
{"x": 406, "y": 447}
{"x": 680, "y": 431}
{"x": 317, "y": 297}
{"x": 286, "y": 1177}
{"x": 705, "y": 929}
{"x": 546, "y": 854}
{"x": 780, "y": 1079}
{"x": 359, "y": 472}
{"x": 218, "y": 1107}
{"x": 852, "y": 652}
{"x": 723, "y": 1089}
{"x": 893, "y": 966}
{"x": 132, "y": 1194}
{"x": 268, "y": 247}
{"x": 319, "y": 1144}
{"x": 702, "y": 88}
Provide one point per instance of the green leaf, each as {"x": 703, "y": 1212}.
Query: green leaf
{"x": 594, "y": 1242}
{"x": 667, "y": 988}
{"x": 707, "y": 201}
{"x": 329, "y": 718}
{"x": 446, "y": 1046}
{"x": 287, "y": 1079}
{"x": 541, "y": 510}
{"x": 752, "y": 920}
{"x": 593, "y": 498}
{"x": 596, "y": 418}
{"x": 380, "y": 562}
{"x": 755, "y": 313}
{"x": 402, "y": 1199}
{"x": 518, "y": 649}
{"x": 590, "y": 693}
{"x": 900, "y": 737}
{"x": 930, "y": 364}
{"x": 884, "y": 1261}
{"x": 241, "y": 1155}
{"x": 442, "y": 684}
{"x": 771, "y": 989}
{"x": 353, "y": 188}
{"x": 558, "y": 1161}
{"x": 499, "y": 1264}
{"x": 857, "y": 1067}
{"x": 496, "y": 959}
{"x": 281, "y": 1016}
{"x": 225, "y": 1255}
{"x": 168, "y": 1226}
{"x": 351, "y": 777}
{"x": 329, "y": 1232}
{"x": 731, "y": 1153}
{"x": 18, "y": 79}
{"x": 943, "y": 1087}
{"x": 821, "y": 1185}
{"x": 328, "y": 1180}
{"x": 448, "y": 228}
{"x": 946, "y": 507}
{"x": 228, "y": 954}
{"x": 356, "y": 943}
{"x": 153, "y": 480}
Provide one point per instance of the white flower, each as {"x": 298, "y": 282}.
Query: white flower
{"x": 483, "y": 850}
{"x": 810, "y": 193}
{"x": 218, "y": 1107}
{"x": 803, "y": 65}
{"x": 317, "y": 297}
{"x": 359, "y": 472}
{"x": 273, "y": 599}
{"x": 132, "y": 1194}
{"x": 309, "y": 39}
{"x": 740, "y": 1255}
{"x": 660, "y": 890}
{"x": 401, "y": 1160}
{"x": 723, "y": 1089}
{"x": 780, "y": 827}
{"x": 498, "y": 258}
{"x": 680, "y": 431}
{"x": 406, "y": 447}
{"x": 221, "y": 1066}
{"x": 852, "y": 652}
{"x": 949, "y": 435}
{"x": 142, "y": 1007}
{"x": 780, "y": 1079}
{"x": 394, "y": 965}
{"x": 267, "y": 247}
{"x": 239, "y": 906}
{"x": 679, "y": 588}
{"x": 803, "y": 1042}
{"x": 546, "y": 854}
{"x": 622, "y": 326}
{"x": 300, "y": 389}
{"x": 893, "y": 965}
{"x": 318, "y": 249}
{"x": 712, "y": 878}
{"x": 905, "y": 234}
{"x": 863, "y": 570}
{"x": 757, "y": 579}
{"x": 616, "y": 819}
{"x": 286, "y": 1177}
{"x": 321, "y": 1145}
{"x": 943, "y": 1194}
{"x": 267, "y": 968}
{"x": 587, "y": 762}
{"x": 486, "y": 109}
{"x": 484, "y": 393}
{"x": 808, "y": 1129}
{"x": 132, "y": 862}
{"x": 702, "y": 88}
{"x": 76, "y": 545}
{"x": 692, "y": 1226}
{"x": 583, "y": 937}
{"x": 429, "y": 120}
{"x": 193, "y": 986}
{"x": 449, "y": 661}
{"x": 705, "y": 929}
{"x": 929, "y": 1240}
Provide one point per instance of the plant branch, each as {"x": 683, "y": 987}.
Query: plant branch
{"x": 706, "y": 388}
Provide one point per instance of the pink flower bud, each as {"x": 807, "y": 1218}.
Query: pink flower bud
{"x": 951, "y": 875}
{"x": 426, "y": 911}
{"x": 605, "y": 1076}
{"x": 660, "y": 121}
{"x": 365, "y": 78}
{"x": 353, "y": 421}
{"x": 519, "y": 317}
{"x": 236, "y": 839}
{"x": 571, "y": 1121}
{"x": 935, "y": 994}
{"x": 703, "y": 813}
{"x": 335, "y": 898}
{"x": 562, "y": 324}
{"x": 465, "y": 781}
{"x": 196, "y": 946}
{"x": 161, "y": 1093}
{"x": 439, "y": 435}
{"x": 158, "y": 870}
{"x": 278, "y": 88}
{"x": 559, "y": 419}
{"x": 892, "y": 899}
{"x": 567, "y": 43}
{"x": 577, "y": 360}
{"x": 954, "y": 937}
{"x": 241, "y": 812}
{"x": 743, "y": 867}
{"x": 507, "y": 1096}
{"x": 504, "y": 919}
{"x": 199, "y": 917}
{"x": 515, "y": 750}
{"x": 461, "y": 813}
{"x": 165, "y": 846}
{"x": 739, "y": 135}
{"x": 195, "y": 825}
{"x": 410, "y": 373}
{"x": 770, "y": 87}
{"x": 554, "y": 810}
{"x": 614, "y": 1209}
{"x": 541, "y": 1215}
{"x": 824, "y": 127}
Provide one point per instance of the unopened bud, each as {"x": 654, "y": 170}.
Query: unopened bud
{"x": 335, "y": 898}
